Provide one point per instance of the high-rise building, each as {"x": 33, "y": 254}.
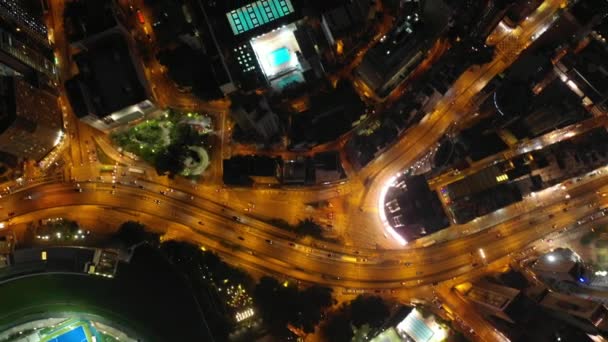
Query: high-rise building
{"x": 252, "y": 112}
{"x": 494, "y": 299}
{"x": 110, "y": 89}
{"x": 30, "y": 120}
{"x": 587, "y": 315}
{"x": 24, "y": 46}
{"x": 398, "y": 53}
{"x": 560, "y": 266}
{"x": 19, "y": 15}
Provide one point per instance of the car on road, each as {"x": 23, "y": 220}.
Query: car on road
{"x": 236, "y": 218}
{"x": 140, "y": 16}
{"x": 241, "y": 238}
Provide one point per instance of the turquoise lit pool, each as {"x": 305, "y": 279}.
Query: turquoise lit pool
{"x": 279, "y": 56}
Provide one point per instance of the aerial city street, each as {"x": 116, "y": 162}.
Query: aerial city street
{"x": 303, "y": 170}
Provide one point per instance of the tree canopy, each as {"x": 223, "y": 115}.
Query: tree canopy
{"x": 132, "y": 233}
{"x": 280, "y": 304}
{"x": 363, "y": 310}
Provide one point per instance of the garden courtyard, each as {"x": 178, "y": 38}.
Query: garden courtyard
{"x": 176, "y": 143}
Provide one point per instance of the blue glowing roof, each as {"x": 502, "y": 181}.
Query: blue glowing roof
{"x": 257, "y": 14}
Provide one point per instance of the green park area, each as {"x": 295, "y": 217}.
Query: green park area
{"x": 176, "y": 143}
{"x": 147, "y": 298}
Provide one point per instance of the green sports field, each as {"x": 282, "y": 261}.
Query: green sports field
{"x": 146, "y": 298}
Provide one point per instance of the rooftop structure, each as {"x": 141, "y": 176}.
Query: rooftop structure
{"x": 88, "y": 21}
{"x": 588, "y": 315}
{"x": 328, "y": 167}
{"x": 390, "y": 61}
{"x": 257, "y": 14}
{"x": 400, "y": 51}
{"x": 252, "y": 112}
{"x": 493, "y": 299}
{"x": 30, "y": 120}
{"x": 338, "y": 21}
{"x": 585, "y": 73}
{"x": 279, "y": 56}
{"x": 560, "y": 265}
{"x": 412, "y": 209}
{"x": 110, "y": 89}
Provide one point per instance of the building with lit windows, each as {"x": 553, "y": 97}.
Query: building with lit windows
{"x": 398, "y": 53}
{"x": 257, "y": 14}
{"x": 30, "y": 120}
{"x": 16, "y": 15}
{"x": 266, "y": 45}
{"x": 24, "y": 46}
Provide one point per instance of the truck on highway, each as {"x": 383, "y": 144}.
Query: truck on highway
{"x": 429, "y": 243}
{"x": 136, "y": 170}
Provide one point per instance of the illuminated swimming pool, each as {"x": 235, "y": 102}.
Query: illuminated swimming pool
{"x": 279, "y": 56}
{"x": 75, "y": 335}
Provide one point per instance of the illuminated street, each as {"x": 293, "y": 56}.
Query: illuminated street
{"x": 101, "y": 186}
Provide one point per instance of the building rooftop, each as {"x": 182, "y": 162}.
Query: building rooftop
{"x": 87, "y": 18}
{"x": 589, "y": 69}
{"x": 559, "y": 260}
{"x": 25, "y": 130}
{"x": 257, "y": 13}
{"x": 594, "y": 312}
{"x": 108, "y": 80}
{"x": 341, "y": 19}
{"x": 489, "y": 294}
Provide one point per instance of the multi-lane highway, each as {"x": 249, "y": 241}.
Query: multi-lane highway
{"x": 281, "y": 252}
{"x": 234, "y": 222}
{"x": 356, "y": 219}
